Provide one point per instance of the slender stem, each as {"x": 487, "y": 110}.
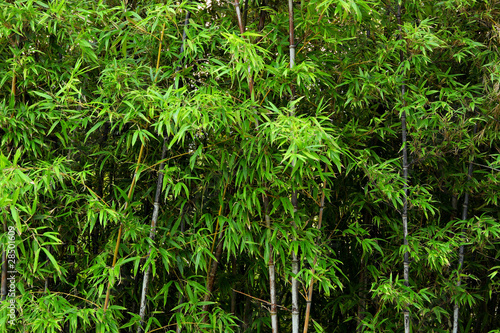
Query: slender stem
{"x": 361, "y": 304}
{"x": 272, "y": 268}
{"x": 152, "y": 232}
{"x": 295, "y": 259}
{"x": 118, "y": 238}
{"x": 238, "y": 16}
{"x": 13, "y": 84}
{"x": 461, "y": 249}
{"x": 245, "y": 14}
{"x": 46, "y": 284}
{"x": 233, "y": 293}
{"x": 310, "y": 291}
{"x": 178, "y": 327}
{"x": 216, "y": 232}
{"x": 212, "y": 266}
{"x": 242, "y": 31}
{"x": 212, "y": 273}
{"x": 404, "y": 214}
{"x": 292, "y": 36}
{"x": 295, "y": 271}
{"x": 159, "y": 186}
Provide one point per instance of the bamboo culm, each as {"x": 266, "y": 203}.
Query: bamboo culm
{"x": 152, "y": 232}
{"x": 242, "y": 31}
{"x": 295, "y": 259}
{"x": 465, "y": 208}
{"x": 313, "y": 270}
{"x": 295, "y": 271}
{"x": 272, "y": 269}
{"x": 119, "y": 237}
{"x": 404, "y": 215}
{"x": 272, "y": 274}
{"x": 156, "y": 205}
{"x": 211, "y": 276}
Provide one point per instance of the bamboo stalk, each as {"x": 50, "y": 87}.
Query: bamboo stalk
{"x": 313, "y": 270}
{"x": 361, "y": 304}
{"x": 272, "y": 269}
{"x": 13, "y": 84}
{"x": 178, "y": 328}
{"x": 272, "y": 273}
{"x": 245, "y": 13}
{"x": 404, "y": 215}
{"x": 461, "y": 249}
{"x": 295, "y": 271}
{"x": 216, "y": 232}
{"x": 152, "y": 233}
{"x": 159, "y": 186}
{"x": 46, "y": 284}
{"x": 118, "y": 238}
{"x": 295, "y": 260}
{"x": 212, "y": 266}
{"x": 233, "y": 293}
{"x": 242, "y": 31}
{"x": 212, "y": 274}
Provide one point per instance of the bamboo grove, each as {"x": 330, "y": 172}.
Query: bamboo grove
{"x": 256, "y": 166}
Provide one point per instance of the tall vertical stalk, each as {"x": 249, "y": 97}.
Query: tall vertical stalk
{"x": 234, "y": 271}
{"x": 119, "y": 237}
{"x": 242, "y": 31}
{"x": 404, "y": 214}
{"x": 295, "y": 260}
{"x": 272, "y": 268}
{"x": 461, "y": 249}
{"x": 212, "y": 274}
{"x": 310, "y": 291}
{"x": 152, "y": 232}
{"x": 212, "y": 266}
{"x": 295, "y": 271}
{"x": 159, "y": 186}
{"x": 361, "y": 294}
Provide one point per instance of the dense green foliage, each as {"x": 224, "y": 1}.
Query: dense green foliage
{"x": 85, "y": 86}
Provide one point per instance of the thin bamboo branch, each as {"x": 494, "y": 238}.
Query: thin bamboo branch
{"x": 260, "y": 300}
{"x": 461, "y": 249}
{"x": 118, "y": 238}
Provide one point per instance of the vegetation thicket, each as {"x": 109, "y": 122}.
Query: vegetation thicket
{"x": 256, "y": 166}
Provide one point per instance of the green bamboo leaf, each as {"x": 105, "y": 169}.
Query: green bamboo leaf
{"x": 52, "y": 259}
